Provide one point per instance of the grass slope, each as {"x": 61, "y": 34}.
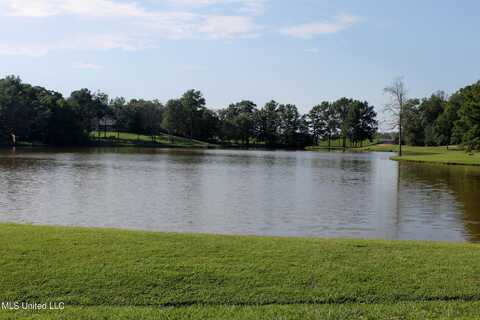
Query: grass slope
{"x": 430, "y": 154}
{"x": 114, "y": 274}
{"x": 338, "y": 144}
{"x": 164, "y": 139}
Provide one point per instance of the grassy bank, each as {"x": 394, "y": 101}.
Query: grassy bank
{"x": 133, "y": 138}
{"x": 126, "y": 274}
{"x": 338, "y": 144}
{"x": 440, "y": 155}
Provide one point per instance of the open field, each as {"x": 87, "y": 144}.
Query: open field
{"x": 164, "y": 139}
{"x": 116, "y": 274}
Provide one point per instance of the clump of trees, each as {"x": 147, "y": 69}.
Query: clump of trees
{"x": 345, "y": 118}
{"x": 438, "y": 120}
{"x": 35, "y": 114}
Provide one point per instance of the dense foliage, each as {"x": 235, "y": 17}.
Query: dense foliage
{"x": 35, "y": 114}
{"x": 441, "y": 120}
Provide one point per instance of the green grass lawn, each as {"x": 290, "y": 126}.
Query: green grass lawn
{"x": 430, "y": 154}
{"x": 338, "y": 144}
{"x": 113, "y": 274}
{"x": 162, "y": 138}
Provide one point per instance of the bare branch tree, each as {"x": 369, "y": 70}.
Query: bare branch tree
{"x": 396, "y": 108}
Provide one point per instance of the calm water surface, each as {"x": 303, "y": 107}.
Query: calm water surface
{"x": 241, "y": 192}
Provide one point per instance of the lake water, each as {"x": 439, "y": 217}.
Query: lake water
{"x": 361, "y": 195}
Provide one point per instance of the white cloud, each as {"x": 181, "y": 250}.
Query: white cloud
{"x": 311, "y": 30}
{"x": 87, "y": 66}
{"x": 129, "y": 25}
{"x": 112, "y": 8}
{"x": 91, "y": 8}
{"x": 31, "y": 50}
{"x": 228, "y": 27}
{"x": 85, "y": 42}
{"x": 253, "y": 7}
{"x": 196, "y": 2}
{"x": 130, "y": 20}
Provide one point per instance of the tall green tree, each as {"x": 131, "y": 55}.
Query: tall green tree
{"x": 193, "y": 103}
{"x": 413, "y": 129}
{"x": 328, "y": 120}
{"x": 23, "y": 110}
{"x": 207, "y": 125}
{"x": 289, "y": 121}
{"x": 431, "y": 109}
{"x": 468, "y": 124}
{"x": 88, "y": 108}
{"x": 267, "y": 123}
{"x": 146, "y": 116}
{"x": 342, "y": 108}
{"x": 444, "y": 126}
{"x": 65, "y": 128}
{"x": 362, "y": 122}
{"x": 316, "y": 123}
{"x": 238, "y": 121}
{"x": 175, "y": 118}
{"x": 303, "y": 138}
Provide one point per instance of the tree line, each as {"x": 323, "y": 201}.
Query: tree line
{"x": 438, "y": 120}
{"x": 36, "y": 114}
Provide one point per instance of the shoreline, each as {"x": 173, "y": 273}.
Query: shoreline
{"x": 153, "y": 146}
{"x": 231, "y": 235}
{"x": 433, "y": 162}
{"x": 430, "y": 155}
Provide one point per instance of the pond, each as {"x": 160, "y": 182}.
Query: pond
{"x": 281, "y": 193}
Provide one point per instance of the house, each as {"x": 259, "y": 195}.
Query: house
{"x": 106, "y": 124}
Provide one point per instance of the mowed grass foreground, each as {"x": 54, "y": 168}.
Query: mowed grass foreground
{"x": 113, "y": 274}
{"x": 440, "y": 155}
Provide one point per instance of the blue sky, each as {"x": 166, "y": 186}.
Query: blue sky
{"x": 301, "y": 52}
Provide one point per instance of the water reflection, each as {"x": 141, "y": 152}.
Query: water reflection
{"x": 449, "y": 195}
{"x": 241, "y": 192}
